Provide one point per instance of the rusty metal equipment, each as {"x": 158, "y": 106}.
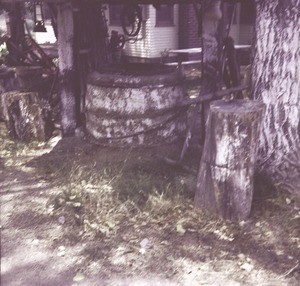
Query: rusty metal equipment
{"x": 131, "y": 19}
{"x": 31, "y": 54}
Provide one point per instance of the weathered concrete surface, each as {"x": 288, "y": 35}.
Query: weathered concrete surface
{"x": 132, "y": 109}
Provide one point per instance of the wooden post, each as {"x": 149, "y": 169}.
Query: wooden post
{"x": 211, "y": 54}
{"x": 225, "y": 178}
{"x": 67, "y": 90}
{"x": 16, "y": 31}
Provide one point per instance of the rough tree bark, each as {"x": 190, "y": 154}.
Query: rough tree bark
{"x": 276, "y": 81}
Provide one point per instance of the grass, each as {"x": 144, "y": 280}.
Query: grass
{"x": 100, "y": 194}
{"x": 119, "y": 197}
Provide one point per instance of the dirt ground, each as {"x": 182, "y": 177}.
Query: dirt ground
{"x": 74, "y": 213}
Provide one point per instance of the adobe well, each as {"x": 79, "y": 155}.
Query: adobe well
{"x": 136, "y": 104}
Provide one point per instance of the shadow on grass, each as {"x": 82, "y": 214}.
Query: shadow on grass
{"x": 161, "y": 197}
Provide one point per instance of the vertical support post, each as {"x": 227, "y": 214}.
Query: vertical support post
{"x": 16, "y": 31}
{"x": 211, "y": 16}
{"x": 67, "y": 91}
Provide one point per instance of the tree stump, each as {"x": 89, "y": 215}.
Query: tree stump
{"x": 225, "y": 178}
{"x": 26, "y": 117}
{"x": 7, "y": 83}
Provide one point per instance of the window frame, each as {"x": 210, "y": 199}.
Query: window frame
{"x": 167, "y": 22}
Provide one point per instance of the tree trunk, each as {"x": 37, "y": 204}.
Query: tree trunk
{"x": 225, "y": 180}
{"x": 67, "y": 89}
{"x": 276, "y": 81}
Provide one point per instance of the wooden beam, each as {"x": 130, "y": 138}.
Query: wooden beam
{"x": 149, "y": 1}
{"x": 50, "y": 1}
{"x": 67, "y": 90}
{"x": 213, "y": 96}
{"x": 114, "y": 1}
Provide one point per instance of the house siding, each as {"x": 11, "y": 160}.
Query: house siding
{"x": 140, "y": 48}
{"x": 152, "y": 41}
{"x": 162, "y": 38}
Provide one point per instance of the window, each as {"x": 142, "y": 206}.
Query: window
{"x": 115, "y": 14}
{"x": 165, "y": 16}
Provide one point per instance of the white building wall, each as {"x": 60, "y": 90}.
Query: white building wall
{"x": 152, "y": 40}
{"x": 162, "y": 38}
{"x": 140, "y": 46}
{"x": 45, "y": 37}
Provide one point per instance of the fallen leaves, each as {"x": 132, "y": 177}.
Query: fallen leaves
{"x": 78, "y": 277}
{"x": 224, "y": 234}
{"x": 145, "y": 244}
{"x": 61, "y": 220}
{"x": 61, "y": 251}
{"x": 180, "y": 229}
{"x": 247, "y": 267}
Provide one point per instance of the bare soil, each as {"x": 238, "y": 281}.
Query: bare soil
{"x": 74, "y": 213}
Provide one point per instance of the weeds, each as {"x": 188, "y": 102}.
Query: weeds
{"x": 103, "y": 191}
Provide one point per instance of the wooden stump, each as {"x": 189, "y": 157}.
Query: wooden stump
{"x": 7, "y": 83}
{"x": 225, "y": 178}
{"x": 25, "y": 116}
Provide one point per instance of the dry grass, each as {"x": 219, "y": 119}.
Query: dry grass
{"x": 121, "y": 196}
{"x": 100, "y": 194}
